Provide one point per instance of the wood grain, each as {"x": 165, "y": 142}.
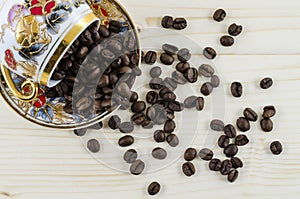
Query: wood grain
{"x": 40, "y": 163}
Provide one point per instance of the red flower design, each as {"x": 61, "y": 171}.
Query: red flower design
{"x": 42, "y": 7}
{"x": 10, "y": 60}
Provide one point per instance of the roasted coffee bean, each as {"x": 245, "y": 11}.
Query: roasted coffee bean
{"x": 236, "y": 162}
{"x": 215, "y": 165}
{"x": 241, "y": 140}
{"x": 209, "y": 53}
{"x": 182, "y": 67}
{"x": 219, "y": 15}
{"x": 167, "y": 59}
{"x": 190, "y": 102}
{"x": 169, "y": 97}
{"x": 153, "y": 188}
{"x": 276, "y": 148}
{"x": 230, "y": 131}
{"x": 226, "y": 167}
{"x": 130, "y": 156}
{"x": 123, "y": 90}
{"x": 176, "y": 106}
{"x": 164, "y": 91}
{"x": 191, "y": 75}
{"x": 138, "y": 107}
{"x": 188, "y": 169}
{"x": 80, "y": 132}
{"x": 266, "y": 125}
{"x": 170, "y": 83}
{"x": 170, "y": 114}
{"x": 217, "y": 125}
{"x": 243, "y": 124}
{"x": 200, "y": 103}
{"x": 226, "y": 41}
{"x": 103, "y": 31}
{"x": 206, "y": 70}
{"x": 57, "y": 76}
{"x": 190, "y": 154}
{"x": 152, "y": 97}
{"x": 215, "y": 81}
{"x": 82, "y": 52}
{"x": 236, "y": 89}
{"x": 206, "y": 89}
{"x": 147, "y": 124}
{"x": 156, "y": 83}
{"x": 184, "y": 55}
{"x": 150, "y": 57}
{"x": 167, "y": 22}
{"x": 223, "y": 141}
{"x": 125, "y": 141}
{"x": 269, "y": 111}
{"x": 234, "y": 29}
{"x": 137, "y": 167}
{"x": 233, "y": 175}
{"x": 83, "y": 104}
{"x": 179, "y": 23}
{"x": 115, "y": 26}
{"x": 206, "y": 154}
{"x": 169, "y": 126}
{"x": 250, "y": 115}
{"x": 179, "y": 78}
{"x": 155, "y": 72}
{"x": 159, "y": 136}
{"x": 126, "y": 127}
{"x": 170, "y": 49}
{"x": 231, "y": 150}
{"x": 172, "y": 140}
{"x": 138, "y": 118}
{"x": 93, "y": 146}
{"x": 134, "y": 97}
{"x": 266, "y": 83}
{"x": 159, "y": 153}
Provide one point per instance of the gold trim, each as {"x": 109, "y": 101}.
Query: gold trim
{"x": 12, "y": 87}
{"x": 73, "y": 33}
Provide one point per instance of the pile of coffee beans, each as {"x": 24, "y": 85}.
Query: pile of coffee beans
{"x": 178, "y": 23}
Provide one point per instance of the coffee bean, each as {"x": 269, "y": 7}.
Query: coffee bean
{"x": 126, "y": 127}
{"x": 156, "y": 83}
{"x": 159, "y": 136}
{"x": 226, "y": 167}
{"x": 236, "y": 89}
{"x": 130, "y": 156}
{"x": 269, "y": 111}
{"x": 234, "y": 29}
{"x": 241, "y": 140}
{"x": 123, "y": 90}
{"x": 103, "y": 31}
{"x": 115, "y": 26}
{"x": 206, "y": 70}
{"x": 219, "y": 15}
{"x": 266, "y": 83}
{"x": 236, "y": 162}
{"x": 190, "y": 154}
{"x": 134, "y": 97}
{"x": 188, "y": 169}
{"x": 179, "y": 23}
{"x": 57, "y": 76}
{"x": 93, "y": 146}
{"x": 82, "y": 52}
{"x": 150, "y": 57}
{"x": 209, "y": 53}
{"x": 215, "y": 165}
{"x": 167, "y": 22}
{"x": 170, "y": 83}
{"x": 226, "y": 41}
{"x": 266, "y": 125}
{"x": 159, "y": 153}
{"x": 182, "y": 67}
{"x": 250, "y": 115}
{"x": 190, "y": 102}
{"x": 223, "y": 141}
{"x": 243, "y": 124}
{"x": 169, "y": 126}
{"x": 172, "y": 140}
{"x": 83, "y": 104}
{"x": 200, "y": 103}
{"x": 179, "y": 78}
{"x": 176, "y": 106}
{"x": 191, "y": 75}
{"x": 215, "y": 81}
{"x": 276, "y": 148}
{"x": 137, "y": 167}
{"x": 80, "y": 132}
{"x": 233, "y": 175}
{"x": 138, "y": 107}
{"x": 206, "y": 154}
{"x": 147, "y": 124}
{"x": 184, "y": 55}
{"x": 138, "y": 118}
{"x": 155, "y": 72}
{"x": 153, "y": 188}
{"x": 231, "y": 150}
{"x": 170, "y": 49}
{"x": 217, "y": 125}
{"x": 167, "y": 59}
{"x": 206, "y": 89}
{"x": 152, "y": 97}
{"x": 230, "y": 131}
{"x": 125, "y": 141}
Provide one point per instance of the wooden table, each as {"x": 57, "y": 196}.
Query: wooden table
{"x": 38, "y": 163}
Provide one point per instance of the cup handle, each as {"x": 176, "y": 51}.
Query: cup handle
{"x": 34, "y": 87}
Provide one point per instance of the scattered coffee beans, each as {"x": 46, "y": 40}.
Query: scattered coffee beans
{"x": 209, "y": 53}
{"x": 167, "y": 59}
{"x": 188, "y": 169}
{"x": 190, "y": 154}
{"x": 233, "y": 175}
{"x": 167, "y": 22}
{"x": 114, "y": 122}
{"x": 190, "y": 102}
{"x": 184, "y": 55}
{"x": 231, "y": 150}
{"x": 230, "y": 131}
{"x": 226, "y": 41}
{"x": 138, "y": 107}
{"x": 219, "y": 15}
{"x": 169, "y": 126}
{"x": 126, "y": 127}
{"x": 155, "y": 72}
{"x": 236, "y": 162}
{"x": 159, "y": 153}
{"x": 243, "y": 124}
{"x": 93, "y": 146}
{"x": 191, "y": 75}
{"x": 150, "y": 57}
{"x": 126, "y": 141}
{"x": 137, "y": 167}
{"x": 266, "y": 83}
{"x": 223, "y": 141}
{"x": 159, "y": 136}
{"x": 226, "y": 167}
{"x": 241, "y": 140}
{"x": 80, "y": 132}
{"x": 234, "y": 29}
{"x": 215, "y": 81}
{"x": 236, "y": 89}
{"x": 250, "y": 115}
{"x": 179, "y": 23}
{"x": 130, "y": 156}
{"x": 266, "y": 125}
{"x": 172, "y": 140}
{"x": 170, "y": 49}
{"x": 269, "y": 111}
{"x": 206, "y": 70}
{"x": 200, "y": 103}
{"x": 153, "y": 188}
{"x": 276, "y": 148}
{"x": 182, "y": 67}
{"x": 215, "y": 165}
{"x": 217, "y": 125}
{"x": 206, "y": 154}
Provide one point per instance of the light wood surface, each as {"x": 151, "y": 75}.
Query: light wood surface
{"x": 38, "y": 163}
